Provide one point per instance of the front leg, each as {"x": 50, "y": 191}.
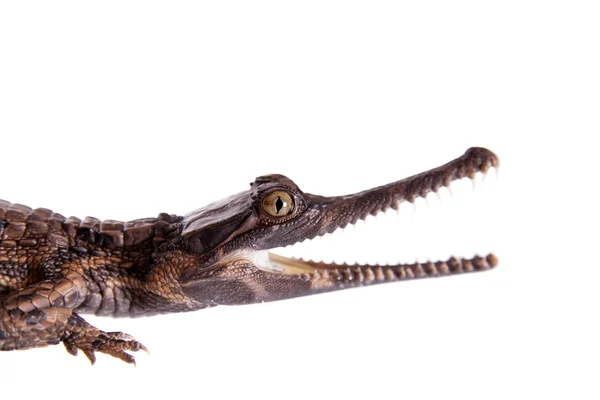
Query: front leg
{"x": 42, "y": 314}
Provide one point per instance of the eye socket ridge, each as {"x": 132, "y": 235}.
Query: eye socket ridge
{"x": 278, "y": 204}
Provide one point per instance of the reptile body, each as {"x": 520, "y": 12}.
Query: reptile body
{"x": 52, "y": 268}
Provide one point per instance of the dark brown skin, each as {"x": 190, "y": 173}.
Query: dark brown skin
{"x": 54, "y": 268}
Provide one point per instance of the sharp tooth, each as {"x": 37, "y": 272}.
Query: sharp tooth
{"x": 391, "y": 212}
{"x": 422, "y": 258}
{"x": 484, "y": 176}
{"x": 382, "y": 261}
{"x": 405, "y": 208}
{"x": 444, "y": 192}
{"x": 420, "y": 203}
{"x": 478, "y": 181}
{"x": 439, "y": 194}
{"x": 468, "y": 254}
{"x": 492, "y": 176}
{"x": 433, "y": 200}
{"x": 359, "y": 226}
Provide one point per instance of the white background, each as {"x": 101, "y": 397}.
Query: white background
{"x": 123, "y": 109}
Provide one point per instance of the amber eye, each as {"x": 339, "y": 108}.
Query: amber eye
{"x": 278, "y": 204}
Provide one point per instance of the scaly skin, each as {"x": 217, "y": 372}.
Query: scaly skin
{"x": 54, "y": 268}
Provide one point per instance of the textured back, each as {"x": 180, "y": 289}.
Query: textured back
{"x": 21, "y": 226}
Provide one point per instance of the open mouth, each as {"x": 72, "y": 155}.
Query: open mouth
{"x": 446, "y": 230}
{"x": 275, "y": 241}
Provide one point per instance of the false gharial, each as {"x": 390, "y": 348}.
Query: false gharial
{"x": 53, "y": 269}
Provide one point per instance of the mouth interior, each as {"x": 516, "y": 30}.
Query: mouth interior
{"x": 455, "y": 223}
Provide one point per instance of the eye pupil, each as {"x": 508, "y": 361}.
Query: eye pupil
{"x": 279, "y": 204}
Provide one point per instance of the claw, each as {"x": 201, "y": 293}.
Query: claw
{"x": 128, "y": 358}
{"x": 121, "y": 336}
{"x": 115, "y": 344}
{"x": 71, "y": 348}
{"x": 90, "y": 355}
{"x": 144, "y": 348}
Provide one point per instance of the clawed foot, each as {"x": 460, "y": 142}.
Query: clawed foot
{"x": 91, "y": 340}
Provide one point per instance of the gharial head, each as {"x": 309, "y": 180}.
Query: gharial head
{"x": 231, "y": 238}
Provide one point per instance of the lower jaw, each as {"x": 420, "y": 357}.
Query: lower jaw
{"x": 328, "y": 275}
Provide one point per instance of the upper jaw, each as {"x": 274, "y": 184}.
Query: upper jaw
{"x": 326, "y": 214}
{"x": 343, "y": 210}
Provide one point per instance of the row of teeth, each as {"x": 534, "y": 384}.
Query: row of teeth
{"x": 370, "y": 274}
{"x": 454, "y": 221}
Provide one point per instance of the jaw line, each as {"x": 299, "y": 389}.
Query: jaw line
{"x": 292, "y": 266}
